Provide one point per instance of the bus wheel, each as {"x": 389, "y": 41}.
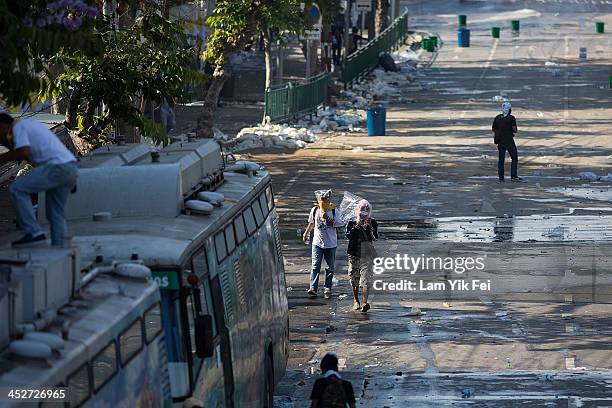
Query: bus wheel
{"x": 269, "y": 386}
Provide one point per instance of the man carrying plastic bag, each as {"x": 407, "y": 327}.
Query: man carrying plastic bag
{"x": 324, "y": 221}
{"x": 361, "y": 231}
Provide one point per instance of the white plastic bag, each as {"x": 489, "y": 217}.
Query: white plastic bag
{"x": 348, "y": 207}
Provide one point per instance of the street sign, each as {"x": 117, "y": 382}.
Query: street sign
{"x": 363, "y": 5}
{"x": 314, "y": 35}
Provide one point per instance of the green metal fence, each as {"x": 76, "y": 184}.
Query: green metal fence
{"x": 365, "y": 59}
{"x": 286, "y": 101}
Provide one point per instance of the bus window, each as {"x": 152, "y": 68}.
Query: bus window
{"x": 78, "y": 386}
{"x": 241, "y": 233}
{"x": 250, "y": 220}
{"x": 130, "y": 342}
{"x": 104, "y": 366}
{"x": 220, "y": 247}
{"x": 229, "y": 238}
{"x": 258, "y": 214}
{"x": 199, "y": 264}
{"x": 264, "y": 204}
{"x": 153, "y": 323}
{"x": 270, "y": 197}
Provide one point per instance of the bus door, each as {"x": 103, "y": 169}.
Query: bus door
{"x": 178, "y": 366}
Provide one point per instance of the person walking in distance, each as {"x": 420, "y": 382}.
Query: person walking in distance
{"x": 504, "y": 128}
{"x": 55, "y": 173}
{"x": 361, "y": 253}
{"x": 331, "y": 391}
{"x": 323, "y": 221}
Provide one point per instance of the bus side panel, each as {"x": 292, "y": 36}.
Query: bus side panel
{"x": 279, "y": 332}
{"x": 140, "y": 383}
{"x": 251, "y": 312}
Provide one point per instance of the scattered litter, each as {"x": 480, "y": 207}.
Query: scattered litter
{"x": 371, "y": 365}
{"x": 343, "y": 296}
{"x": 387, "y": 386}
{"x": 588, "y": 175}
{"x": 540, "y": 115}
{"x": 467, "y": 393}
{"x": 415, "y": 311}
{"x": 289, "y": 289}
{"x": 313, "y": 361}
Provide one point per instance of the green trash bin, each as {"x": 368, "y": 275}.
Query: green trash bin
{"x": 599, "y": 27}
{"x": 516, "y": 25}
{"x": 425, "y": 44}
{"x": 495, "y": 32}
{"x": 462, "y": 20}
{"x": 434, "y": 42}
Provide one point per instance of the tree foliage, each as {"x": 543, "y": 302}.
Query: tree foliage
{"x": 146, "y": 61}
{"x": 31, "y": 31}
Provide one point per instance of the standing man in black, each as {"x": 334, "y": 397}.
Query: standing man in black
{"x": 504, "y": 127}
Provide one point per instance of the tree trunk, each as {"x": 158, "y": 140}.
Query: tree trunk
{"x": 71, "y": 111}
{"x": 268, "y": 56}
{"x": 380, "y": 19}
{"x": 206, "y": 120}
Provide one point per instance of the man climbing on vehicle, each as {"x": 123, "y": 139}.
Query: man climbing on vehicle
{"x": 55, "y": 174}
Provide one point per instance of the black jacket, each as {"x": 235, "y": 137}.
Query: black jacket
{"x": 502, "y": 126}
{"x": 357, "y": 233}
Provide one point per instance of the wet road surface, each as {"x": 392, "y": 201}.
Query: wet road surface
{"x": 541, "y": 336}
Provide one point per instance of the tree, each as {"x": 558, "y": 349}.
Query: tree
{"x": 145, "y": 61}
{"x": 280, "y": 17}
{"x": 31, "y": 31}
{"x": 233, "y": 23}
{"x": 381, "y": 14}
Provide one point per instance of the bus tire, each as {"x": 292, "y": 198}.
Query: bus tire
{"x": 269, "y": 383}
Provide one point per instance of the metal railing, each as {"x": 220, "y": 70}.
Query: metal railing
{"x": 288, "y": 100}
{"x": 365, "y": 59}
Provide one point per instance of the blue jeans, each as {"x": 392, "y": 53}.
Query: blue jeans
{"x": 56, "y": 180}
{"x": 317, "y": 258}
{"x": 511, "y": 147}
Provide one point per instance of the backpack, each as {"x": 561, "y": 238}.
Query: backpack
{"x": 333, "y": 395}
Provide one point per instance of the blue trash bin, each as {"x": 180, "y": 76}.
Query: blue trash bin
{"x": 463, "y": 38}
{"x": 376, "y": 118}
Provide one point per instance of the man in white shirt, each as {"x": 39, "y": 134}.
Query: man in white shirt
{"x": 324, "y": 221}
{"x": 55, "y": 173}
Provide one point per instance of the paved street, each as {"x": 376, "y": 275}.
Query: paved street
{"x": 542, "y": 336}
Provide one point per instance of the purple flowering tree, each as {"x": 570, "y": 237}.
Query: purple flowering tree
{"x": 32, "y": 32}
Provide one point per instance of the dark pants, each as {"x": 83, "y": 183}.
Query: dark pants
{"x": 511, "y": 147}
